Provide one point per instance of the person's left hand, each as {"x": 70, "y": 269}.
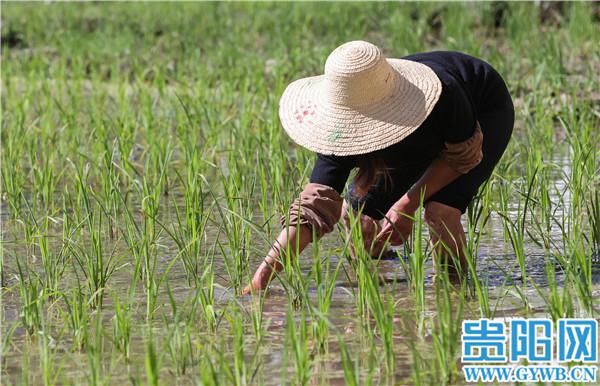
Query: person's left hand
{"x": 398, "y": 223}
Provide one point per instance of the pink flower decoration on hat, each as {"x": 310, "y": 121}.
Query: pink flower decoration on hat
{"x": 305, "y": 110}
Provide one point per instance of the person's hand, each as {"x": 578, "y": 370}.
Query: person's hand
{"x": 262, "y": 277}
{"x": 398, "y": 223}
{"x": 368, "y": 226}
{"x": 369, "y": 229}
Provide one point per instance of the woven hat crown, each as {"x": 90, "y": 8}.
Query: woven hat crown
{"x": 357, "y": 74}
{"x": 362, "y": 103}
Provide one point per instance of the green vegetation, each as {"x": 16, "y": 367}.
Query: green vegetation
{"x": 144, "y": 171}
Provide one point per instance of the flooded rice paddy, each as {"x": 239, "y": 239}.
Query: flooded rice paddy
{"x": 144, "y": 172}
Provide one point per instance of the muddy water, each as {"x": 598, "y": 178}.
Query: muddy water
{"x": 496, "y": 267}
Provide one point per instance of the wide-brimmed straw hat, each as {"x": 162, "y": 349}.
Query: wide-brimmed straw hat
{"x": 364, "y": 102}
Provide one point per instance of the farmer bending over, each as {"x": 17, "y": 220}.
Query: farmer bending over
{"x": 431, "y": 124}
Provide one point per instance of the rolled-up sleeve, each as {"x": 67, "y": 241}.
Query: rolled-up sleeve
{"x": 318, "y": 206}
{"x": 464, "y": 156}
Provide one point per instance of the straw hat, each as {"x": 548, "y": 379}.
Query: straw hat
{"x": 364, "y": 102}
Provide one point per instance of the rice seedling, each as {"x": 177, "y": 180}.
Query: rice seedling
{"x": 94, "y": 265}
{"x": 240, "y": 371}
{"x": 370, "y": 302}
{"x": 152, "y": 358}
{"x": 414, "y": 267}
{"x": 516, "y": 230}
{"x": 558, "y": 300}
{"x": 98, "y": 372}
{"x": 33, "y": 297}
{"x": 54, "y": 265}
{"x": 122, "y": 326}
{"x": 297, "y": 342}
{"x": 350, "y": 367}
{"x": 191, "y": 225}
{"x": 325, "y": 282}
{"x": 77, "y": 317}
{"x": 47, "y": 353}
{"x": 446, "y": 329}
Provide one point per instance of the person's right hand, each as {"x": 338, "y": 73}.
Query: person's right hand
{"x": 261, "y": 279}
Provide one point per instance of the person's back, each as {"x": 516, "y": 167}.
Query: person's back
{"x": 479, "y": 79}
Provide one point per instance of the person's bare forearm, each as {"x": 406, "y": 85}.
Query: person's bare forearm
{"x": 399, "y": 218}
{"x": 437, "y": 175}
{"x": 288, "y": 240}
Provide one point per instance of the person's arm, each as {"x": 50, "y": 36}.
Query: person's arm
{"x": 399, "y": 222}
{"x": 437, "y": 175}
{"x": 317, "y": 210}
{"x": 455, "y": 160}
{"x": 296, "y": 236}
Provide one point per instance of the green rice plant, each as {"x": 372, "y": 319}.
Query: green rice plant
{"x": 257, "y": 320}
{"x": 142, "y": 244}
{"x": 25, "y": 371}
{"x": 179, "y": 340}
{"x": 190, "y": 231}
{"x": 477, "y": 287}
{"x": 180, "y": 348}
{"x": 122, "y": 326}
{"x": 414, "y": 266}
{"x": 294, "y": 281}
{"x": 593, "y": 214}
{"x": 96, "y": 372}
{"x": 370, "y": 302}
{"x": 213, "y": 367}
{"x": 517, "y": 230}
{"x": 297, "y": 341}
{"x": 54, "y": 265}
{"x": 579, "y": 249}
{"x": 478, "y": 215}
{"x": 33, "y": 298}
{"x": 148, "y": 251}
{"x": 13, "y": 181}
{"x": 539, "y": 198}
{"x": 580, "y": 273}
{"x": 111, "y": 185}
{"x": 325, "y": 281}
{"x": 351, "y": 367}
{"x": 96, "y": 267}
{"x": 447, "y": 324}
{"x": 359, "y": 261}
{"x": 7, "y": 335}
{"x": 142, "y": 240}
{"x": 559, "y": 300}
{"x": 49, "y": 368}
{"x": 205, "y": 295}
{"x": 36, "y": 236}
{"x": 238, "y": 206}
{"x": 199, "y": 269}
{"x": 420, "y": 368}
{"x": 77, "y": 316}
{"x": 239, "y": 372}
{"x": 152, "y": 358}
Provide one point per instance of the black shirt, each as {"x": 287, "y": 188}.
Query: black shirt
{"x": 470, "y": 86}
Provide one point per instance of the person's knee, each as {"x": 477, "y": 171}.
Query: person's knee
{"x": 440, "y": 216}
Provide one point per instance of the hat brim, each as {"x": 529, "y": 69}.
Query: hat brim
{"x": 328, "y": 128}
